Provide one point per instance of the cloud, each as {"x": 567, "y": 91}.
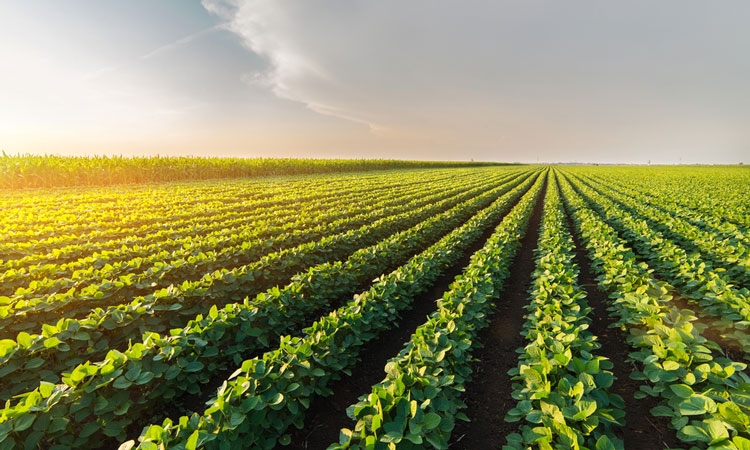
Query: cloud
{"x": 183, "y": 41}
{"x": 493, "y": 74}
{"x": 294, "y": 74}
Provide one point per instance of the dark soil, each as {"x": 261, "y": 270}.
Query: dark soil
{"x": 488, "y": 394}
{"x": 641, "y": 430}
{"x": 327, "y": 416}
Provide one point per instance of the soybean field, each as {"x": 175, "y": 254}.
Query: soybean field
{"x": 494, "y": 307}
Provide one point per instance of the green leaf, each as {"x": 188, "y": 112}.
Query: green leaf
{"x": 122, "y": 383}
{"x": 693, "y": 433}
{"x": 718, "y": 431}
{"x": 51, "y": 342}
{"x": 194, "y": 366}
{"x": 5, "y": 346}
{"x": 431, "y": 420}
{"x": 192, "y": 441}
{"x": 345, "y": 436}
{"x": 741, "y": 443}
{"x": 23, "y": 422}
{"x": 278, "y": 398}
{"x": 23, "y": 339}
{"x": 696, "y": 405}
{"x": 34, "y": 363}
{"x": 587, "y": 408}
{"x": 681, "y": 390}
{"x": 89, "y": 429}
{"x": 46, "y": 388}
{"x": 662, "y": 411}
{"x": 604, "y": 443}
{"x": 734, "y": 415}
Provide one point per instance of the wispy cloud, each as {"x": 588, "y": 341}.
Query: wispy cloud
{"x": 525, "y": 76}
{"x": 293, "y": 74}
{"x": 184, "y": 40}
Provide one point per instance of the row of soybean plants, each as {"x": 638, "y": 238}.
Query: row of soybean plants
{"x": 270, "y": 393}
{"x": 116, "y": 396}
{"x": 717, "y": 191}
{"x": 561, "y": 384}
{"x": 135, "y": 221}
{"x": 204, "y": 215}
{"x": 139, "y": 275}
{"x": 143, "y": 205}
{"x": 152, "y": 259}
{"x": 70, "y": 342}
{"x": 705, "y": 395}
{"x": 695, "y": 277}
{"x": 169, "y": 253}
{"x": 727, "y": 253}
{"x": 24, "y": 314}
{"x": 115, "y": 204}
{"x": 58, "y": 227}
{"x": 136, "y": 224}
{"x": 562, "y": 390}
{"x": 705, "y": 221}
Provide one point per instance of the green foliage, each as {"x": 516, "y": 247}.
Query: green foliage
{"x": 418, "y": 402}
{"x": 121, "y": 389}
{"x": 561, "y": 384}
{"x": 703, "y": 394}
{"x": 113, "y": 327}
{"x": 30, "y": 171}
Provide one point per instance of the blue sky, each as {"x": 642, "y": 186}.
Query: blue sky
{"x": 490, "y": 80}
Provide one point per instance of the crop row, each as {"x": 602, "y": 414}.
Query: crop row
{"x": 49, "y": 278}
{"x": 695, "y": 277}
{"x": 258, "y": 403}
{"x": 71, "y": 342}
{"x": 712, "y": 191}
{"x": 729, "y": 254}
{"x": 418, "y": 402}
{"x": 166, "y": 237}
{"x": 23, "y": 315}
{"x": 248, "y": 242}
{"x": 133, "y": 208}
{"x": 200, "y": 215}
{"x": 706, "y": 397}
{"x": 561, "y": 384}
{"x": 160, "y": 363}
{"x": 702, "y": 220}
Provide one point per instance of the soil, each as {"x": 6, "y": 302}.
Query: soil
{"x": 327, "y": 416}
{"x": 488, "y": 394}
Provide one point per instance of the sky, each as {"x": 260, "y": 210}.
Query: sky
{"x": 528, "y": 80}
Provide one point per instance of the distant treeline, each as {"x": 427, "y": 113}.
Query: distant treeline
{"x": 30, "y": 171}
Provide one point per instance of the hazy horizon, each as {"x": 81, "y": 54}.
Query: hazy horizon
{"x": 514, "y": 81}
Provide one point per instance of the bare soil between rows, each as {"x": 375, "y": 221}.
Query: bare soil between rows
{"x": 642, "y": 430}
{"x": 488, "y": 394}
